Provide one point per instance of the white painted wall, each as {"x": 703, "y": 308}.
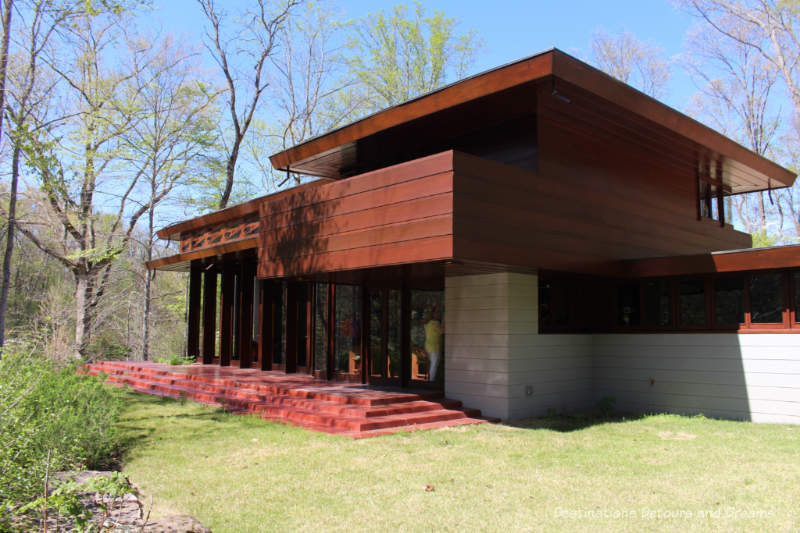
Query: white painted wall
{"x": 494, "y": 356}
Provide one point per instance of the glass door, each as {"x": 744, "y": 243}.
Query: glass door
{"x": 385, "y": 336}
{"x": 427, "y": 337}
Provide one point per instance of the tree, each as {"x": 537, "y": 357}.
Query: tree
{"x": 768, "y": 30}
{"x": 255, "y": 41}
{"x": 735, "y": 96}
{"x": 76, "y": 160}
{"x": 398, "y": 56}
{"x": 165, "y": 146}
{"x": 26, "y": 96}
{"x": 631, "y": 61}
{"x": 304, "y": 96}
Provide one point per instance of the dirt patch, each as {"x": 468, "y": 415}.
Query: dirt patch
{"x": 670, "y": 435}
{"x": 125, "y": 514}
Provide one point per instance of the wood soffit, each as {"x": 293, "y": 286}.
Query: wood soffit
{"x": 777, "y": 257}
{"x": 327, "y": 155}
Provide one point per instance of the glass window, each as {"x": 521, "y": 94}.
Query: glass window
{"x": 692, "y": 302}
{"x": 796, "y": 296}
{"x": 628, "y": 305}
{"x": 321, "y": 327}
{"x": 347, "y": 354}
{"x": 553, "y": 303}
{"x": 279, "y": 338}
{"x": 657, "y": 303}
{"x": 729, "y": 300}
{"x": 385, "y": 333}
{"x": 427, "y": 335}
{"x": 766, "y": 298}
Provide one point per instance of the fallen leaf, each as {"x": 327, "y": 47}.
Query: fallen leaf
{"x": 429, "y": 488}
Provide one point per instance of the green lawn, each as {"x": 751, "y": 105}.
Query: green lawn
{"x": 657, "y": 473}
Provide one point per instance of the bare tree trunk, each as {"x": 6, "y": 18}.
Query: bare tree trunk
{"x": 83, "y": 302}
{"x": 7, "y": 4}
{"x": 15, "y": 174}
{"x": 148, "y": 282}
{"x": 12, "y": 217}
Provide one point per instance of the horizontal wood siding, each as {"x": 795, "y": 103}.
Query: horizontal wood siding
{"x": 582, "y": 210}
{"x": 749, "y": 377}
{"x": 396, "y": 215}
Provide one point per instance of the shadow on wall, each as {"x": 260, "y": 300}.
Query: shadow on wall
{"x": 296, "y": 232}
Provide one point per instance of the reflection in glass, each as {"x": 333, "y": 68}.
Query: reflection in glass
{"x": 279, "y": 337}
{"x": 692, "y": 302}
{"x": 427, "y": 335}
{"x": 321, "y": 327}
{"x": 657, "y": 303}
{"x": 766, "y": 301}
{"x": 347, "y": 354}
{"x": 628, "y": 305}
{"x": 729, "y": 300}
{"x": 385, "y": 333}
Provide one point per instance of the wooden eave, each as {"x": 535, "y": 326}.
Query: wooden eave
{"x": 180, "y": 262}
{"x": 727, "y": 261}
{"x": 249, "y": 208}
{"x": 743, "y": 170}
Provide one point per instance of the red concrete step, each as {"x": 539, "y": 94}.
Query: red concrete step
{"x": 345, "y": 409}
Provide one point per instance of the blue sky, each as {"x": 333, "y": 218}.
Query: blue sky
{"x": 511, "y": 30}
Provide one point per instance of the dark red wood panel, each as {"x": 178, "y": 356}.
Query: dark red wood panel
{"x": 397, "y": 215}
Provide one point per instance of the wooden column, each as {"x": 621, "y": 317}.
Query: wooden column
{"x": 226, "y": 315}
{"x": 331, "y": 329}
{"x": 245, "y": 334}
{"x": 193, "y": 329}
{"x": 209, "y": 315}
{"x": 265, "y": 323}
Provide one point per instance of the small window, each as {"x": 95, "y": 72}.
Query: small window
{"x": 692, "y": 302}
{"x": 766, "y": 299}
{"x": 553, "y": 304}
{"x": 657, "y": 303}
{"x": 729, "y": 301}
{"x": 628, "y": 305}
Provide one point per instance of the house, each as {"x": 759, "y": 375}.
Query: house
{"x": 533, "y": 238}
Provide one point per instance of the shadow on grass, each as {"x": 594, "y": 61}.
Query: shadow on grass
{"x": 566, "y": 423}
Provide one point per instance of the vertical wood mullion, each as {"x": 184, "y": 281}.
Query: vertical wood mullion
{"x": 405, "y": 335}
{"x": 266, "y": 320}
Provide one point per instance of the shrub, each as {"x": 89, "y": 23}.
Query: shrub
{"x": 51, "y": 419}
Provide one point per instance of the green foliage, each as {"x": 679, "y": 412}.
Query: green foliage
{"x": 175, "y": 360}
{"x": 51, "y": 419}
{"x": 764, "y": 239}
{"x": 401, "y": 55}
{"x": 606, "y": 405}
{"x": 66, "y": 498}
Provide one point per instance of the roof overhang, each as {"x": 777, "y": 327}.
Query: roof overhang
{"x": 330, "y": 154}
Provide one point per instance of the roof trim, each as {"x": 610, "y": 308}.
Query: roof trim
{"x": 555, "y": 63}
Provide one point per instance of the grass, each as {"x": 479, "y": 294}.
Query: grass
{"x": 663, "y": 472}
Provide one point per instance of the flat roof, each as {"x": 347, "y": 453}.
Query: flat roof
{"x": 331, "y": 154}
